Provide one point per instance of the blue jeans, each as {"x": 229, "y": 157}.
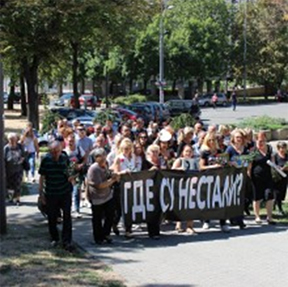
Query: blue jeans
{"x": 76, "y": 198}
{"x": 31, "y": 160}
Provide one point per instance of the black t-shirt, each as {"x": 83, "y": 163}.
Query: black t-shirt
{"x": 260, "y": 168}
{"x": 209, "y": 157}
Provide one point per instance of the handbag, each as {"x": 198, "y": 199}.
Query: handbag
{"x": 26, "y": 164}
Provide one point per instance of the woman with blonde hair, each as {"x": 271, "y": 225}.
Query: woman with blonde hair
{"x": 184, "y": 137}
{"x": 30, "y": 144}
{"x": 124, "y": 163}
{"x": 187, "y": 153}
{"x": 235, "y": 150}
{"x": 208, "y": 160}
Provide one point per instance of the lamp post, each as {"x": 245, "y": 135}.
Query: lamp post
{"x": 161, "y": 55}
{"x": 245, "y": 49}
{"x": 3, "y": 224}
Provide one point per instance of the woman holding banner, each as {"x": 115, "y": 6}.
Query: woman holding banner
{"x": 152, "y": 162}
{"x": 125, "y": 162}
{"x": 209, "y": 159}
{"x": 262, "y": 178}
{"x": 179, "y": 164}
{"x": 235, "y": 150}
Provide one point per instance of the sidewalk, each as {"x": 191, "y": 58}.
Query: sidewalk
{"x": 256, "y": 256}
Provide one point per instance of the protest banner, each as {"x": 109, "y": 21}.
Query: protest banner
{"x": 183, "y": 195}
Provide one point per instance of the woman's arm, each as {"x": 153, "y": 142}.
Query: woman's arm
{"x": 202, "y": 165}
{"x": 177, "y": 164}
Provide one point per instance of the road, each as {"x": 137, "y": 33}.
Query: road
{"x": 225, "y": 115}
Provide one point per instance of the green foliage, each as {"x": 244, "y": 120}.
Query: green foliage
{"x": 49, "y": 120}
{"x": 182, "y": 121}
{"x": 131, "y": 99}
{"x": 263, "y": 123}
{"x": 105, "y": 115}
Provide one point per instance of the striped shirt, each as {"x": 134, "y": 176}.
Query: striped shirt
{"x": 56, "y": 174}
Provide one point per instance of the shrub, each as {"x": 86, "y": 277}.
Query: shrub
{"x": 183, "y": 121}
{"x": 105, "y": 115}
{"x": 49, "y": 120}
{"x": 263, "y": 123}
{"x": 131, "y": 99}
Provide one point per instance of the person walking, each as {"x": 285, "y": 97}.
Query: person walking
{"x": 31, "y": 147}
{"x": 100, "y": 181}
{"x": 14, "y": 158}
{"x": 55, "y": 191}
{"x": 234, "y": 100}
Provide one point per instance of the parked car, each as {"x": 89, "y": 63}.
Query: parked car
{"x": 89, "y": 100}
{"x": 143, "y": 111}
{"x": 70, "y": 113}
{"x": 206, "y": 100}
{"x": 161, "y": 113}
{"x": 180, "y": 106}
{"x": 64, "y": 100}
{"x": 126, "y": 114}
{"x": 5, "y": 98}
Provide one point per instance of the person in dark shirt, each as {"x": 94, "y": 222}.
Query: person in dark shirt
{"x": 262, "y": 178}
{"x": 208, "y": 160}
{"x": 281, "y": 159}
{"x": 55, "y": 192}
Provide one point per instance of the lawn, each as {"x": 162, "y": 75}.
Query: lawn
{"x": 28, "y": 260}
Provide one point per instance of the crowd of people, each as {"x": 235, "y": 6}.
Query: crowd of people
{"x": 84, "y": 166}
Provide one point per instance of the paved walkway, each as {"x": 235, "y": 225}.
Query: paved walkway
{"x": 256, "y": 256}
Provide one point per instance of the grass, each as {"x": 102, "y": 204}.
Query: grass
{"x": 278, "y": 218}
{"x": 28, "y": 260}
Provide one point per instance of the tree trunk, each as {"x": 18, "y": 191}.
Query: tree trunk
{"x": 60, "y": 88}
{"x": 200, "y": 86}
{"x": 209, "y": 86}
{"x": 181, "y": 92}
{"x": 10, "y": 105}
{"x": 31, "y": 76}
{"x": 82, "y": 86}
{"x": 153, "y": 86}
{"x": 23, "y": 97}
{"x": 217, "y": 86}
{"x": 145, "y": 83}
{"x": 130, "y": 86}
{"x": 75, "y": 66}
{"x": 174, "y": 93}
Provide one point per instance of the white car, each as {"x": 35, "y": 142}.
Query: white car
{"x": 206, "y": 100}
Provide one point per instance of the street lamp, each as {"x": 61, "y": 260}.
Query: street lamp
{"x": 161, "y": 56}
{"x": 3, "y": 223}
{"x": 161, "y": 82}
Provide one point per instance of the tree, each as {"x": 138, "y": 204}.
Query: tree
{"x": 29, "y": 35}
{"x": 267, "y": 49}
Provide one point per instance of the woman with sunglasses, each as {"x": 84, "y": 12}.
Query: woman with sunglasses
{"x": 208, "y": 160}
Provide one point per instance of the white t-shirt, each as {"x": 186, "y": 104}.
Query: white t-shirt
{"x": 78, "y": 152}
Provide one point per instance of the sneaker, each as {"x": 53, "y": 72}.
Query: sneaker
{"x": 108, "y": 239}
{"x": 154, "y": 237}
{"x": 271, "y": 222}
{"x": 206, "y": 225}
{"x": 116, "y": 230}
{"x": 78, "y": 215}
{"x": 225, "y": 228}
{"x": 69, "y": 247}
{"x": 54, "y": 243}
{"x": 191, "y": 231}
{"x": 128, "y": 235}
